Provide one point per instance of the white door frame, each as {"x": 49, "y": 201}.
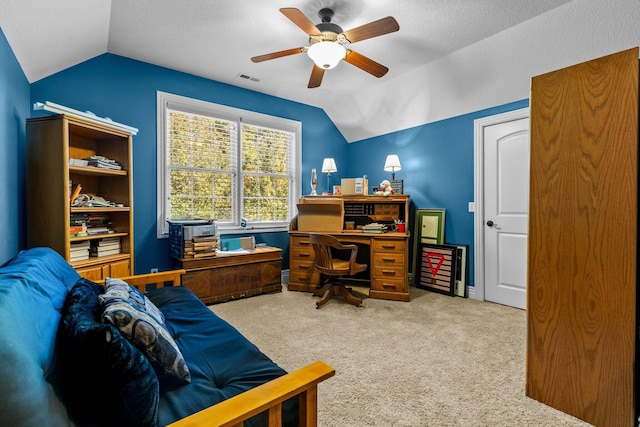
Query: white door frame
{"x": 477, "y": 291}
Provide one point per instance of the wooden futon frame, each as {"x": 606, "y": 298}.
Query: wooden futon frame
{"x": 266, "y": 397}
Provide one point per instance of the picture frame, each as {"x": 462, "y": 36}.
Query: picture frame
{"x": 397, "y": 185}
{"x": 429, "y": 229}
{"x": 430, "y": 226}
{"x": 462, "y": 266}
{"x": 437, "y": 268}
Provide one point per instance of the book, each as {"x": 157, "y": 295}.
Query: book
{"x": 205, "y": 254}
{"x": 79, "y": 257}
{"x": 209, "y": 238}
{"x": 103, "y": 162}
{"x": 79, "y": 234}
{"x": 76, "y": 192}
{"x": 205, "y": 246}
{"x": 374, "y": 227}
{"x": 109, "y": 246}
{"x": 77, "y": 162}
{"x": 108, "y": 242}
{"x": 99, "y": 230}
{"x": 99, "y": 253}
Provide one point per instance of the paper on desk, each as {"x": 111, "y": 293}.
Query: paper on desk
{"x": 233, "y": 252}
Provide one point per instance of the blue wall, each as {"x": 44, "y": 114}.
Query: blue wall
{"x": 14, "y": 110}
{"x": 437, "y": 169}
{"x": 125, "y": 90}
{"x": 437, "y": 158}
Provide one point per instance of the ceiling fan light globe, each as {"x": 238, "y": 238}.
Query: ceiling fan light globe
{"x": 326, "y": 54}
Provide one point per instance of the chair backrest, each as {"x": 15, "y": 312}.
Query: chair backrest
{"x": 322, "y": 244}
{"x": 335, "y": 264}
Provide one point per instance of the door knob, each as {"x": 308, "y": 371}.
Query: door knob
{"x": 493, "y": 225}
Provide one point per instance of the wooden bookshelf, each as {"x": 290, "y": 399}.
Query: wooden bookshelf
{"x": 51, "y": 142}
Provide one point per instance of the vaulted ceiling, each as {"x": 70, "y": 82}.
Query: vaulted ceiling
{"x": 216, "y": 39}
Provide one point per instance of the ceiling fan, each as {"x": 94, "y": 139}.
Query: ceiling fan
{"x": 327, "y": 43}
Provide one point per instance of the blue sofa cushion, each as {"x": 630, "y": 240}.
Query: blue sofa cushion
{"x": 33, "y": 288}
{"x": 143, "y": 326}
{"x": 222, "y": 361}
{"x": 104, "y": 380}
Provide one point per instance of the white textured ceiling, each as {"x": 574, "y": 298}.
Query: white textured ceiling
{"x": 216, "y": 39}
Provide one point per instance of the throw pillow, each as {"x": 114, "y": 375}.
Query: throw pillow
{"x": 104, "y": 380}
{"x": 117, "y": 288}
{"x": 146, "y": 332}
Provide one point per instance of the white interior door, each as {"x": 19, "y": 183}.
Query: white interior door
{"x": 505, "y": 211}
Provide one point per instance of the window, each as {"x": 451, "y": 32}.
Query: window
{"x": 237, "y": 167}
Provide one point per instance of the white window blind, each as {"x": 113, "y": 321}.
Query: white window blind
{"x": 233, "y": 166}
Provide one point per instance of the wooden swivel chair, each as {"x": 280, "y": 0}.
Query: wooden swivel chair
{"x": 332, "y": 268}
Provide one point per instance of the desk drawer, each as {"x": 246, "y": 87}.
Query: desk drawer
{"x": 389, "y": 258}
{"x": 301, "y": 242}
{"x": 389, "y": 245}
{"x": 307, "y": 278}
{"x": 302, "y": 254}
{"x": 389, "y": 285}
{"x": 302, "y": 265}
{"x": 388, "y": 272}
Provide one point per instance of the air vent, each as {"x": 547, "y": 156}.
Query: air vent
{"x": 245, "y": 77}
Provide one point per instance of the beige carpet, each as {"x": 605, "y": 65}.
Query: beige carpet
{"x": 434, "y": 361}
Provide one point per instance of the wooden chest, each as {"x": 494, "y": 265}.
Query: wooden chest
{"x": 235, "y": 275}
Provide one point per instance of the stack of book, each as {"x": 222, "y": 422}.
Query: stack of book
{"x": 103, "y": 162}
{"x": 79, "y": 251}
{"x": 201, "y": 246}
{"x": 105, "y": 247}
{"x": 374, "y": 227}
{"x": 78, "y": 224}
{"x": 78, "y": 162}
{"x": 193, "y": 238}
{"x": 98, "y": 223}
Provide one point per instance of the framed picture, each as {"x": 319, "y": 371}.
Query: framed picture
{"x": 462, "y": 265}
{"x": 437, "y": 268}
{"x": 430, "y": 225}
{"x": 397, "y": 185}
{"x": 429, "y": 229}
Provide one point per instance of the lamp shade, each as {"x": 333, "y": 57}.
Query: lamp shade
{"x": 392, "y": 163}
{"x": 329, "y": 165}
{"x": 326, "y": 54}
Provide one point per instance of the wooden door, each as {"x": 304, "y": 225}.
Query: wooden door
{"x": 582, "y": 255}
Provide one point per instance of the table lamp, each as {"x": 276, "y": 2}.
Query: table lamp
{"x": 328, "y": 166}
{"x": 392, "y": 164}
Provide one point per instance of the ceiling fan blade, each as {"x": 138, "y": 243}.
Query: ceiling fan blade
{"x": 280, "y": 54}
{"x": 316, "y": 76}
{"x": 372, "y": 29}
{"x": 366, "y": 64}
{"x": 299, "y": 18}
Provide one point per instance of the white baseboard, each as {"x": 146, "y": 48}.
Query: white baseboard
{"x": 284, "y": 274}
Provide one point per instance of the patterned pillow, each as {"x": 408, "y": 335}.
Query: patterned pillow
{"x": 103, "y": 379}
{"x": 120, "y": 289}
{"x": 135, "y": 321}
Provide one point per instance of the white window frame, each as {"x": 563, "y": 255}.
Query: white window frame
{"x": 195, "y": 106}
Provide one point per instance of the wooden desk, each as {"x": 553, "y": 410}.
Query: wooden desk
{"x": 232, "y": 276}
{"x": 388, "y": 265}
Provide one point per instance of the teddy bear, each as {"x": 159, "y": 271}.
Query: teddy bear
{"x": 384, "y": 189}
